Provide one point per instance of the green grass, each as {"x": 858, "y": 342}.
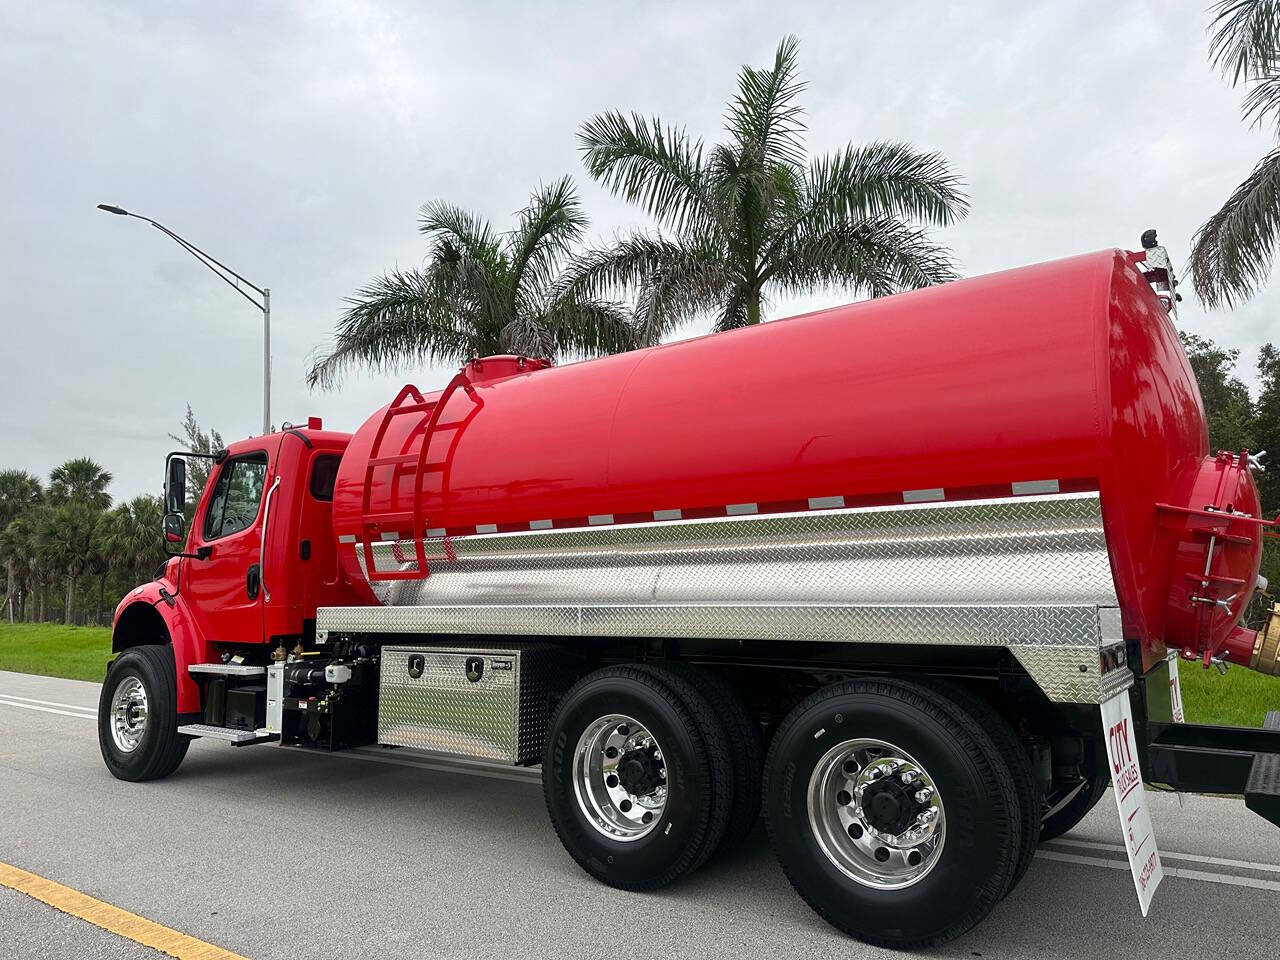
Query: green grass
{"x": 79, "y": 653}
{"x": 1241, "y": 698}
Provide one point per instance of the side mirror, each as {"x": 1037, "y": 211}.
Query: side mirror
{"x": 175, "y": 531}
{"x": 175, "y": 489}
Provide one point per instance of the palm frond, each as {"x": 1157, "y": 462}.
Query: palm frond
{"x": 765, "y": 114}
{"x": 1245, "y": 39}
{"x": 658, "y": 168}
{"x": 1263, "y": 99}
{"x": 544, "y": 234}
{"x": 460, "y": 230}
{"x": 1232, "y": 253}
{"x": 886, "y": 179}
{"x": 400, "y": 317}
{"x": 879, "y": 257}
{"x": 588, "y": 327}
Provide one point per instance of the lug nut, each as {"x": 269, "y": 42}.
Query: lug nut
{"x": 908, "y": 776}
{"x": 923, "y": 795}
{"x": 927, "y": 817}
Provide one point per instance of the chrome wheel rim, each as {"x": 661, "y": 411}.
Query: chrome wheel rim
{"x": 619, "y": 777}
{"x": 128, "y": 714}
{"x": 876, "y": 813}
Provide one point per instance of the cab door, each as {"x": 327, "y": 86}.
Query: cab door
{"x": 224, "y": 591}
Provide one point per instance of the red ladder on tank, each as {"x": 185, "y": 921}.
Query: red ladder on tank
{"x": 377, "y": 526}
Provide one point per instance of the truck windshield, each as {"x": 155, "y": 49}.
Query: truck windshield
{"x": 236, "y": 496}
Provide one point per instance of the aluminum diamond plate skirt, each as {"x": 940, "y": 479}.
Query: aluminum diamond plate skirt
{"x": 1027, "y": 573}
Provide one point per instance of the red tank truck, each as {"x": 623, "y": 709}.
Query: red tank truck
{"x": 908, "y": 574}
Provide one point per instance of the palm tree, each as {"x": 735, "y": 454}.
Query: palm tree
{"x": 749, "y": 218}
{"x": 80, "y": 481}
{"x": 128, "y": 537}
{"x": 1232, "y": 252}
{"x": 480, "y": 293}
{"x": 64, "y": 537}
{"x": 19, "y": 492}
{"x": 19, "y": 541}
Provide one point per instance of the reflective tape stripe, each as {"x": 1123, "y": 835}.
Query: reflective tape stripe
{"x": 435, "y": 532}
{"x": 540, "y": 524}
{"x": 347, "y": 538}
{"x": 600, "y": 518}
{"x": 741, "y": 509}
{"x": 667, "y": 515}
{"x": 1025, "y": 488}
{"x": 825, "y": 503}
{"x": 486, "y": 528}
{"x": 390, "y": 535}
{"x": 923, "y": 496}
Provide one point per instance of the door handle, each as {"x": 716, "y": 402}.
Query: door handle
{"x": 252, "y": 581}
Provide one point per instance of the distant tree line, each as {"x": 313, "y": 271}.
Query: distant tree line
{"x": 67, "y": 553}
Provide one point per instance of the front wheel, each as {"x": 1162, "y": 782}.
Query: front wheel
{"x": 893, "y": 813}
{"x": 138, "y": 716}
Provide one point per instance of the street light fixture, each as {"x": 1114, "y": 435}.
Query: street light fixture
{"x": 234, "y": 280}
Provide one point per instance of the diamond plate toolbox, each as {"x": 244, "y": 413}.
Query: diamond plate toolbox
{"x": 481, "y": 702}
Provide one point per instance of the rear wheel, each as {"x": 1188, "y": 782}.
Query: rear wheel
{"x": 138, "y": 715}
{"x": 635, "y": 776}
{"x": 893, "y": 813}
{"x": 742, "y": 741}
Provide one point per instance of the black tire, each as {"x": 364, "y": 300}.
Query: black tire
{"x": 742, "y": 739}
{"x": 160, "y": 748}
{"x": 1076, "y": 809}
{"x": 694, "y": 755}
{"x": 979, "y": 855}
{"x": 1011, "y": 748}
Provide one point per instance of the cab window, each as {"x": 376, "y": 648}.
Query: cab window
{"x": 236, "y": 496}
{"x": 324, "y": 471}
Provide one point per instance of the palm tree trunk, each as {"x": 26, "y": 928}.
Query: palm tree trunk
{"x": 68, "y": 616}
{"x": 753, "y": 308}
{"x": 102, "y": 590}
{"x": 11, "y": 591}
{"x": 44, "y": 600}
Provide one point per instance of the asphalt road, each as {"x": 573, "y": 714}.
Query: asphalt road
{"x": 278, "y": 853}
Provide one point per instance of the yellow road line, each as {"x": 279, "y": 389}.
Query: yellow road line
{"x": 108, "y": 917}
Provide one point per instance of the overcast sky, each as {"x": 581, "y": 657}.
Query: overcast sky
{"x": 296, "y": 142}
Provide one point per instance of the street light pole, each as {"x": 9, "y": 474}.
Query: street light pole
{"x": 234, "y": 280}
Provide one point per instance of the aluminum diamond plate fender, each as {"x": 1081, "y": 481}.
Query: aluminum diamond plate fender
{"x": 1027, "y": 573}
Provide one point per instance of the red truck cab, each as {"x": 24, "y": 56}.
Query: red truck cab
{"x": 259, "y": 557}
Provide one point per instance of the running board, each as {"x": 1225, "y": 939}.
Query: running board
{"x": 1199, "y": 758}
{"x": 228, "y": 669}
{"x": 237, "y": 738}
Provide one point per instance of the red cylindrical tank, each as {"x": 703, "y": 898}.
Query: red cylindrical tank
{"x": 1068, "y": 371}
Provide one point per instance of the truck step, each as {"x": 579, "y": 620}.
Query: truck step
{"x": 1262, "y": 792}
{"x": 238, "y": 738}
{"x": 228, "y": 669}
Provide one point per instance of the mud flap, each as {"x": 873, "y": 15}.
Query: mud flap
{"x": 1131, "y": 798}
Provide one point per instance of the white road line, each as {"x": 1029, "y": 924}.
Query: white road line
{"x": 62, "y": 713}
{"x": 48, "y": 703}
{"x": 1183, "y": 872}
{"x": 1170, "y": 855}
